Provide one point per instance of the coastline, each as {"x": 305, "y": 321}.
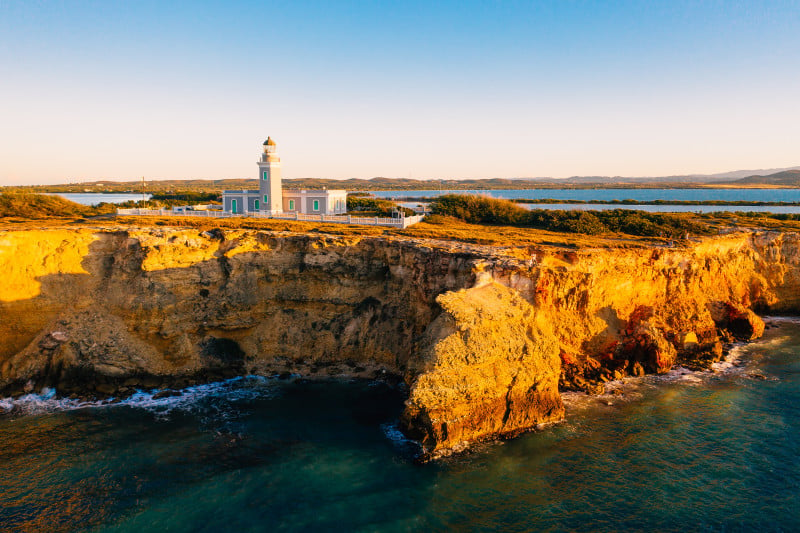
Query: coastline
{"x": 482, "y": 338}
{"x": 163, "y": 402}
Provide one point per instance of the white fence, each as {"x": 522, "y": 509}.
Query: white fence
{"x": 398, "y": 222}
{"x": 170, "y": 212}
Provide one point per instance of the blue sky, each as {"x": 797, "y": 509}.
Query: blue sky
{"x": 103, "y": 90}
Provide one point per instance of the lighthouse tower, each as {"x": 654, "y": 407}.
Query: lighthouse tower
{"x": 269, "y": 179}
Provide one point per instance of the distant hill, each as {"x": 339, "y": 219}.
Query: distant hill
{"x": 750, "y": 173}
{"x": 785, "y": 177}
{"x": 687, "y": 178}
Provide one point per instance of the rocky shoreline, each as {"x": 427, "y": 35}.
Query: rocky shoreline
{"x": 483, "y": 339}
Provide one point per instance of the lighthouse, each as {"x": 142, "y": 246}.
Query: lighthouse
{"x": 270, "y": 199}
{"x": 269, "y": 179}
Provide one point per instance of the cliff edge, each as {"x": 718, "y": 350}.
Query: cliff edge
{"x": 482, "y": 337}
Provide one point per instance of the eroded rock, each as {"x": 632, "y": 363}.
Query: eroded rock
{"x": 476, "y": 332}
{"x": 488, "y": 367}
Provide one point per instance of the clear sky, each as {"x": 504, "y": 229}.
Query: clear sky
{"x": 463, "y": 89}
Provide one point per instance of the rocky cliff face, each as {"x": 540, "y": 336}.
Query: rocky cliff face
{"x": 482, "y": 338}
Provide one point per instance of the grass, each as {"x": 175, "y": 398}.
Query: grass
{"x": 31, "y": 211}
{"x": 44, "y": 206}
{"x": 439, "y": 228}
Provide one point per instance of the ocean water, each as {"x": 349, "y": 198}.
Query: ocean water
{"x": 94, "y": 198}
{"x": 763, "y": 195}
{"x": 729, "y": 195}
{"x": 642, "y": 195}
{"x": 653, "y": 208}
{"x": 687, "y": 451}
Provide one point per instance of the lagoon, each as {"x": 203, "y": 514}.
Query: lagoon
{"x": 641, "y": 195}
{"x": 94, "y": 198}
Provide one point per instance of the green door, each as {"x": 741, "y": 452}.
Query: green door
{"x": 233, "y": 206}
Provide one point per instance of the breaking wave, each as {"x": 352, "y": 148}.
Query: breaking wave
{"x": 159, "y": 402}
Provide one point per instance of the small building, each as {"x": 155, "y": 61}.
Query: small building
{"x": 272, "y": 199}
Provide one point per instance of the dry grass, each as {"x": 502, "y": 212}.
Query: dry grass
{"x": 38, "y": 211}
{"x": 436, "y": 227}
{"x": 205, "y": 223}
{"x": 447, "y": 228}
{"x": 40, "y": 206}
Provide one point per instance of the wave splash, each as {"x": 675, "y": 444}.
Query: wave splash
{"x": 161, "y": 403}
{"x": 738, "y": 362}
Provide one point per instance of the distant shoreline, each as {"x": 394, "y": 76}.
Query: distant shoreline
{"x": 622, "y": 203}
{"x": 781, "y": 180}
{"x": 156, "y": 187}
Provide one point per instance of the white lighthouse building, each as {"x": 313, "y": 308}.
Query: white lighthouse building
{"x": 271, "y": 199}
{"x": 269, "y": 179}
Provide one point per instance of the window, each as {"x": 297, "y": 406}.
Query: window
{"x": 233, "y": 206}
{"x": 266, "y": 198}
{"x": 256, "y": 205}
{"x": 266, "y": 174}
{"x": 291, "y": 205}
{"x": 316, "y": 205}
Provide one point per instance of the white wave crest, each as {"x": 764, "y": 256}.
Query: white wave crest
{"x": 158, "y": 402}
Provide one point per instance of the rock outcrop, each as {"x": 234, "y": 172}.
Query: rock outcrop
{"x": 482, "y": 337}
{"x": 487, "y": 366}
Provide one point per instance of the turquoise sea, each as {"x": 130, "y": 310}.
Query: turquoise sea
{"x": 641, "y": 195}
{"x": 753, "y": 195}
{"x": 94, "y": 198}
{"x": 688, "y": 451}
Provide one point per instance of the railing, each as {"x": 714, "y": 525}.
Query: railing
{"x": 398, "y": 222}
{"x": 169, "y": 213}
{"x": 401, "y": 222}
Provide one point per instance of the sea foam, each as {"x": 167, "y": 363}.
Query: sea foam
{"x": 155, "y": 401}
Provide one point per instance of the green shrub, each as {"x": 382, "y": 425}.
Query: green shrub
{"x": 374, "y": 206}
{"x": 479, "y": 209}
{"x": 485, "y": 210}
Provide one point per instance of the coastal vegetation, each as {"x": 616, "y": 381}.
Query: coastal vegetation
{"x": 169, "y": 199}
{"x": 379, "y": 207}
{"x": 486, "y": 210}
{"x": 464, "y": 219}
{"x": 190, "y": 197}
{"x": 43, "y": 206}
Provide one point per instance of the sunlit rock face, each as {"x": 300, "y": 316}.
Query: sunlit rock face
{"x": 487, "y": 366}
{"x": 482, "y": 337}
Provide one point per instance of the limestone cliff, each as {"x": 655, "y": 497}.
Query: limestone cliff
{"x": 488, "y": 365}
{"x": 481, "y": 336}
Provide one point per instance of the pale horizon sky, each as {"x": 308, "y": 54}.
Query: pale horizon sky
{"x": 469, "y": 89}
